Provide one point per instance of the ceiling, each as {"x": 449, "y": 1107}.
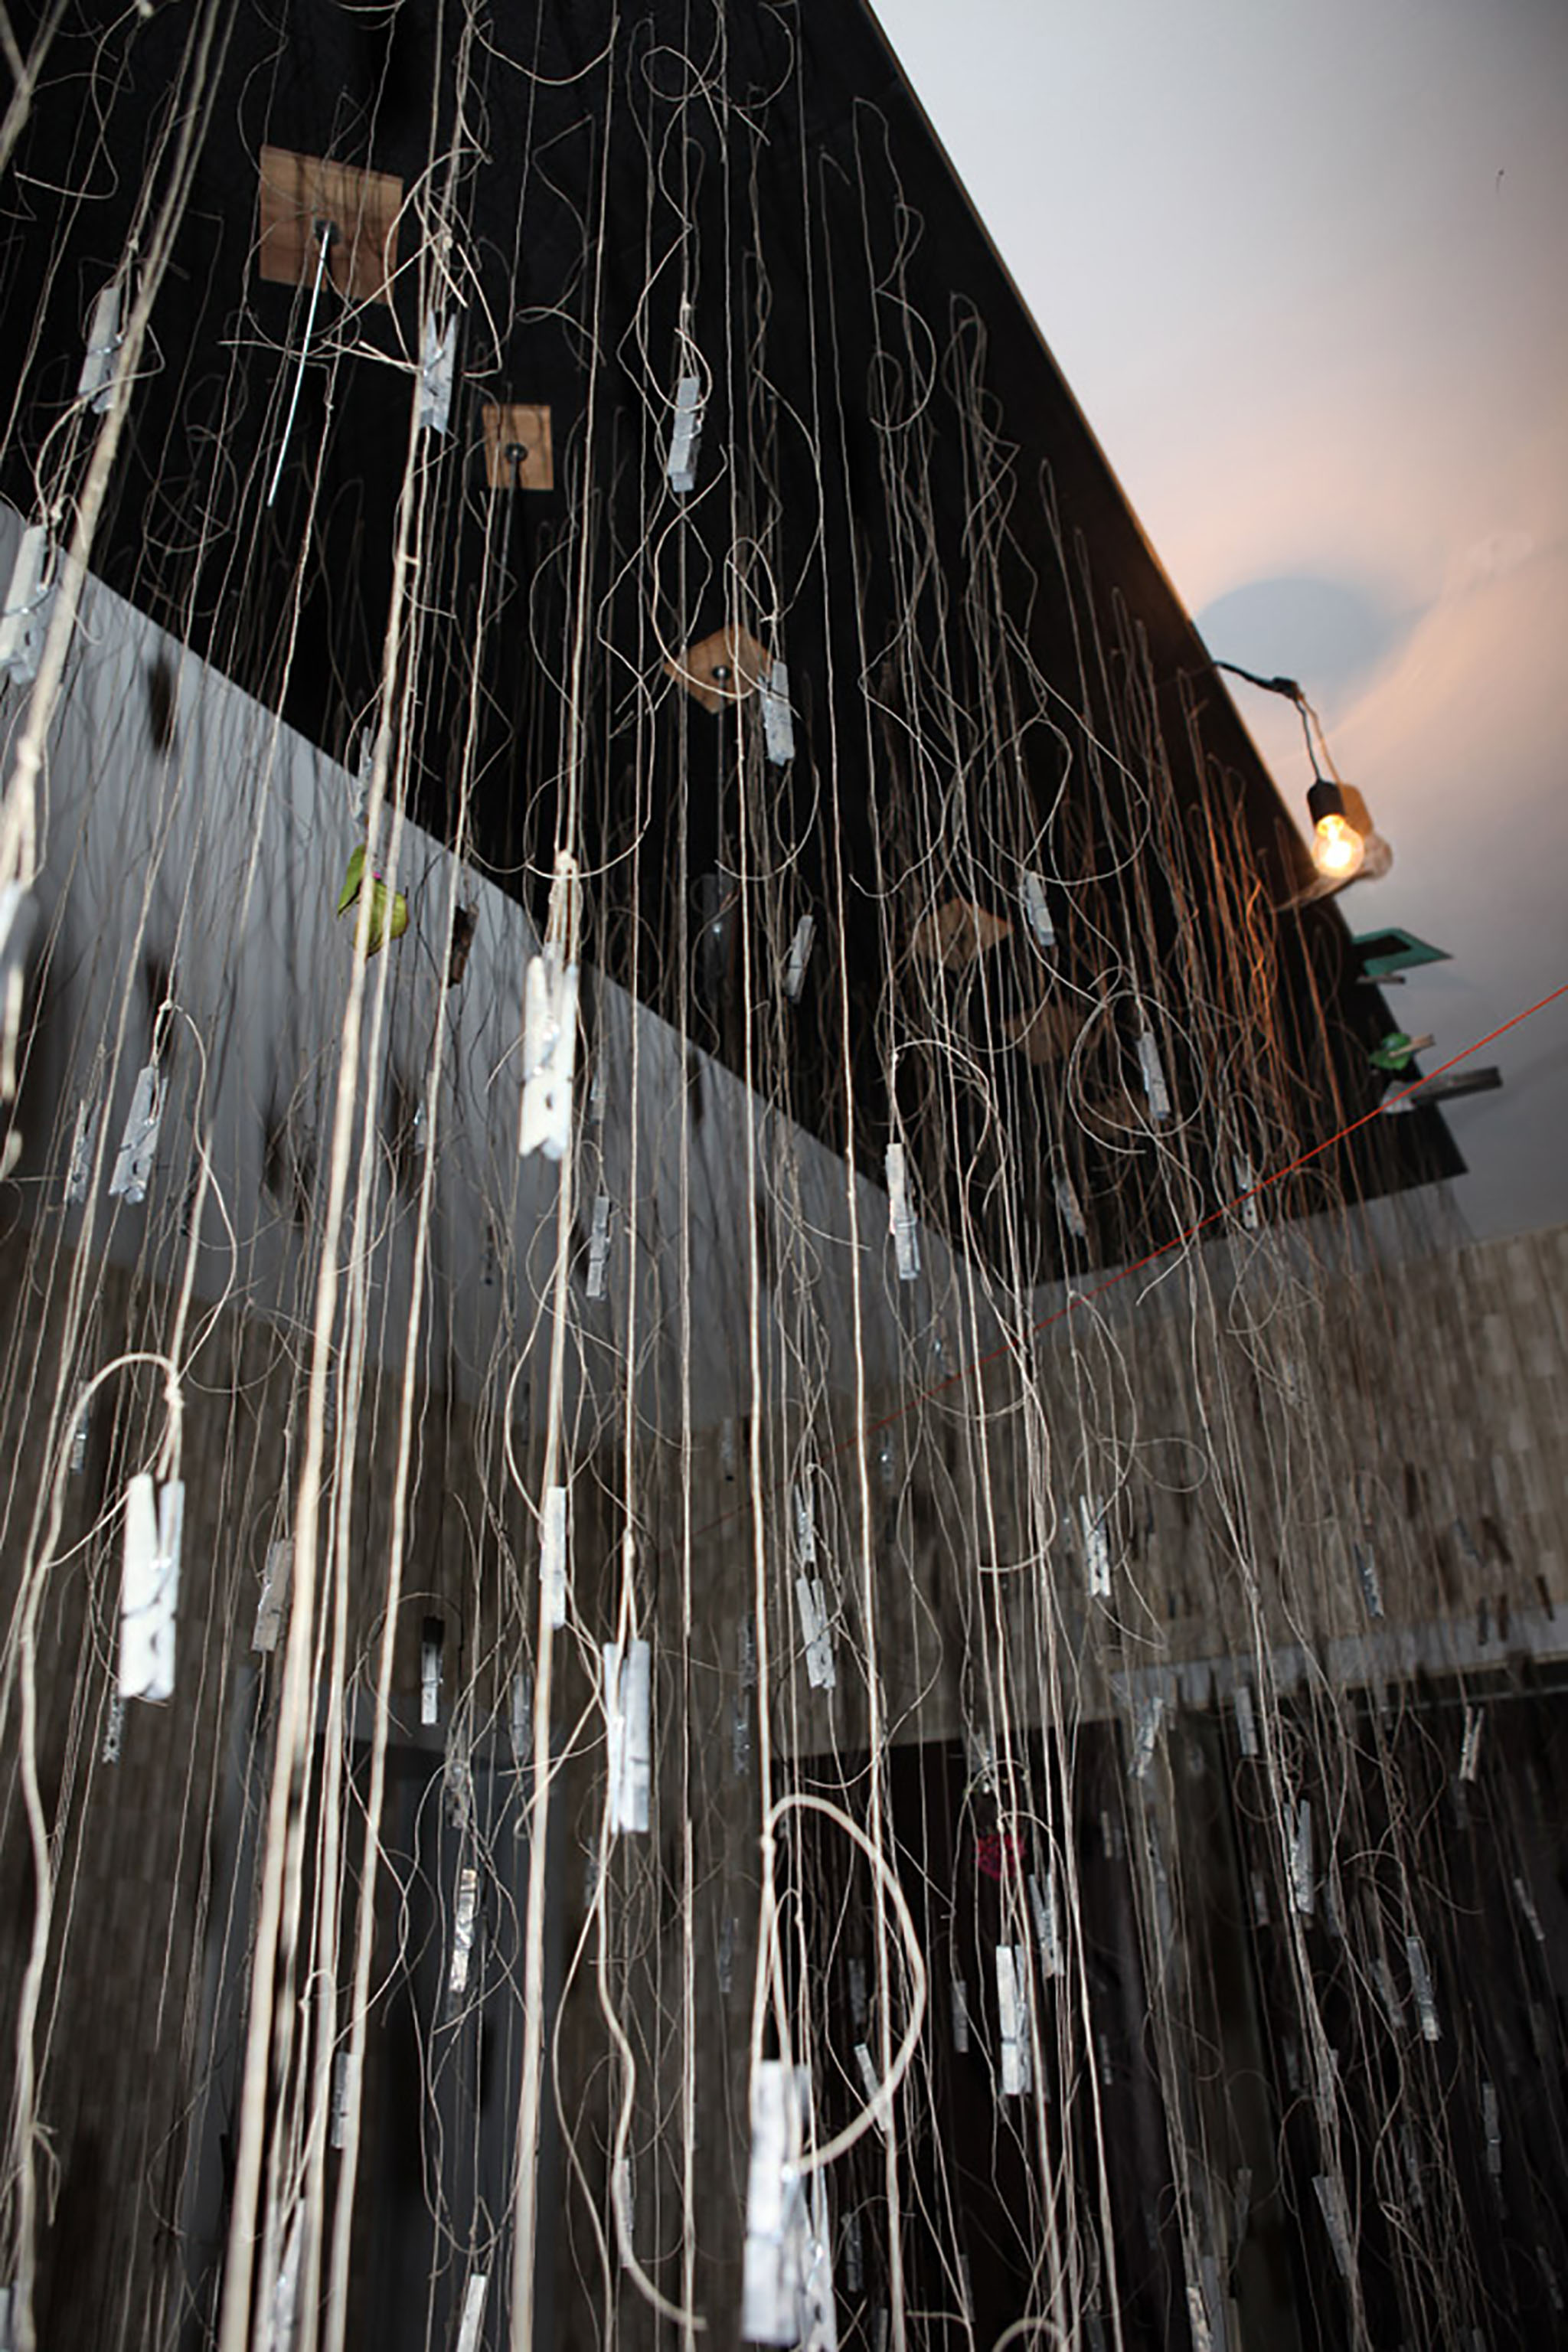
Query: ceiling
{"x": 972, "y": 696}
{"x": 1304, "y": 269}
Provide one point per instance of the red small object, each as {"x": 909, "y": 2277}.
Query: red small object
{"x": 999, "y": 1852}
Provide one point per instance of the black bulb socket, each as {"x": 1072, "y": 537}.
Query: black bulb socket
{"x": 1324, "y": 798}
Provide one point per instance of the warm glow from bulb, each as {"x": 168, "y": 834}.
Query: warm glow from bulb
{"x": 1337, "y": 848}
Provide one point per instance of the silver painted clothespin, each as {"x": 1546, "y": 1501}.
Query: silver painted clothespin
{"x": 139, "y": 1143}
{"x": 553, "y": 1556}
{"x": 154, "y": 1521}
{"x": 799, "y": 956}
{"x": 599, "y": 1246}
{"x": 1037, "y": 909}
{"x": 276, "y": 1579}
{"x": 1096, "y": 1546}
{"x": 438, "y": 350}
{"x": 95, "y": 382}
{"x": 1013, "y": 2012}
{"x": 84, "y": 1143}
{"x": 900, "y": 1218}
{"x": 550, "y": 1024}
{"x": 685, "y": 435}
{"x": 25, "y": 619}
{"x": 778, "y": 720}
{"x": 1153, "y": 1071}
{"x": 628, "y": 1699}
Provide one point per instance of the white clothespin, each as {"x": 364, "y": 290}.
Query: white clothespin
{"x": 342, "y": 2081}
{"x": 627, "y": 1695}
{"x": 553, "y": 1556}
{"x": 360, "y": 784}
{"x": 473, "y": 2317}
{"x": 1153, "y": 1071}
{"x": 599, "y": 1246}
{"x": 278, "y": 2334}
{"x": 868, "y": 2080}
{"x": 799, "y": 956}
{"x": 901, "y": 1220}
{"x": 1470, "y": 1753}
{"x": 804, "y": 1524}
{"x": 1421, "y": 1986}
{"x": 959, "y": 2015}
{"x": 1013, "y": 2013}
{"x": 276, "y": 1579}
{"x": 1301, "y": 1874}
{"x": 685, "y": 435}
{"x": 522, "y": 1719}
{"x": 816, "y": 1633}
{"x": 431, "y": 1646}
{"x": 1245, "y": 1181}
{"x": 1048, "y": 1922}
{"x": 139, "y": 1143}
{"x": 786, "y": 2296}
{"x": 981, "y": 1757}
{"x": 438, "y": 354}
{"x": 1037, "y": 909}
{"x": 25, "y": 621}
{"x": 1245, "y": 1721}
{"x": 1150, "y": 1716}
{"x": 1096, "y": 1546}
{"x": 1366, "y": 1569}
{"x": 458, "y": 1773}
{"x": 465, "y": 1915}
{"x": 549, "y": 1025}
{"x": 103, "y": 341}
{"x": 150, "y": 1587}
{"x": 113, "y": 1734}
{"x": 78, "y": 1441}
{"x": 778, "y": 721}
{"x": 1332, "y": 2200}
{"x": 84, "y": 1143}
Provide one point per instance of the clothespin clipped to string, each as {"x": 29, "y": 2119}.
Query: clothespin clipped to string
{"x": 94, "y": 384}
{"x": 25, "y": 619}
{"x": 786, "y": 2294}
{"x": 550, "y": 1024}
{"x": 685, "y": 435}
{"x": 388, "y": 909}
{"x": 901, "y": 1217}
{"x": 778, "y": 719}
{"x": 18, "y": 919}
{"x": 139, "y": 1143}
{"x": 438, "y": 354}
{"x": 1397, "y": 1051}
{"x": 154, "y": 1521}
{"x": 799, "y": 956}
{"x": 1013, "y": 2013}
{"x": 1037, "y": 909}
{"x": 1152, "y": 1069}
{"x": 628, "y": 1699}
{"x": 359, "y": 788}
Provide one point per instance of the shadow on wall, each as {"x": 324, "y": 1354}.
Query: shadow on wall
{"x": 1329, "y": 636}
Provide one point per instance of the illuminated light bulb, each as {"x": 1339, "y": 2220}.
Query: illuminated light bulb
{"x": 1337, "y": 848}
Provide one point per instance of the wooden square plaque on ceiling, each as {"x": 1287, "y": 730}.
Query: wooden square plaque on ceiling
{"x": 518, "y": 452}
{"x": 298, "y": 192}
{"x": 724, "y": 667}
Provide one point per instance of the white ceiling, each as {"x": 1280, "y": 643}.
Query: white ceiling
{"x": 1304, "y": 270}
